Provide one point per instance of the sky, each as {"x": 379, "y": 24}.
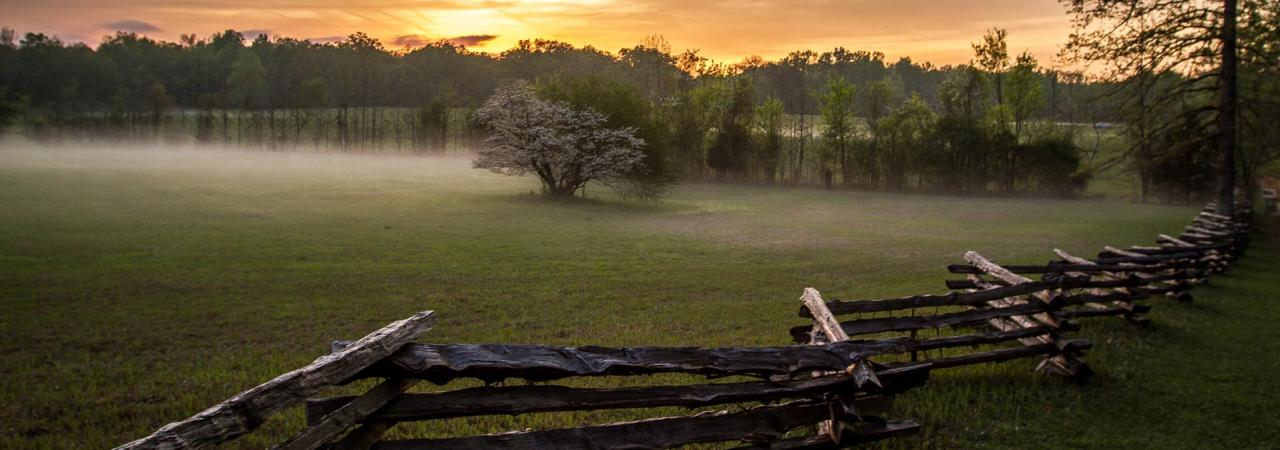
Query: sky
{"x": 937, "y": 31}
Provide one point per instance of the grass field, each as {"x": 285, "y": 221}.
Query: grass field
{"x": 139, "y": 287}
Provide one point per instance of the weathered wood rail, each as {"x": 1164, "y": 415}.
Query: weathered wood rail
{"x": 795, "y": 387}
{"x": 838, "y": 384}
{"x": 1008, "y": 315}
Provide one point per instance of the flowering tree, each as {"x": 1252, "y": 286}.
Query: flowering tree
{"x": 566, "y": 147}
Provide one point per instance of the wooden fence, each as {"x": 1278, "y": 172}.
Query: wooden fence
{"x": 1034, "y": 315}
{"x": 835, "y": 384}
{"x": 794, "y": 386}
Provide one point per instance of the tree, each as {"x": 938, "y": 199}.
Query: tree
{"x": 246, "y": 88}
{"x": 1259, "y": 79}
{"x": 1052, "y": 165}
{"x": 964, "y": 93}
{"x": 565, "y": 147}
{"x": 797, "y": 64}
{"x": 8, "y": 108}
{"x": 625, "y": 106}
{"x": 433, "y": 121}
{"x": 769, "y": 118}
{"x": 731, "y": 148}
{"x": 905, "y": 135}
{"x": 688, "y": 120}
{"x": 1025, "y": 94}
{"x": 837, "y": 107}
{"x": 1195, "y": 39}
{"x": 992, "y": 56}
{"x": 159, "y": 103}
{"x": 313, "y": 98}
{"x": 879, "y": 96}
{"x": 652, "y": 68}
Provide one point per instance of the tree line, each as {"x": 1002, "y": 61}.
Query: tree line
{"x": 1002, "y": 123}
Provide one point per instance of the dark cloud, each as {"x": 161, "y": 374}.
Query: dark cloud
{"x": 472, "y": 40}
{"x": 418, "y": 40}
{"x": 326, "y": 39}
{"x": 253, "y": 33}
{"x": 132, "y": 26}
{"x": 410, "y": 40}
{"x": 73, "y": 39}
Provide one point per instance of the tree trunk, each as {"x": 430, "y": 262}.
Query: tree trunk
{"x": 562, "y": 190}
{"x": 1144, "y": 177}
{"x": 1227, "y": 113}
{"x": 999, "y": 88}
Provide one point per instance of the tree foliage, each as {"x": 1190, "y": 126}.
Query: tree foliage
{"x": 1181, "y": 64}
{"x": 625, "y": 106}
{"x": 565, "y": 146}
{"x": 769, "y": 117}
{"x": 838, "y": 106}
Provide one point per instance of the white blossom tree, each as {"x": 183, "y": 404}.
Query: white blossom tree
{"x": 564, "y": 146}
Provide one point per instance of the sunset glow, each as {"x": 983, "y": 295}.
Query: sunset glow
{"x": 935, "y": 31}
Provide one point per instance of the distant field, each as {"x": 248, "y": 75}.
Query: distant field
{"x": 139, "y": 287}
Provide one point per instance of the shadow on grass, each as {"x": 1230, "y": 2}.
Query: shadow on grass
{"x": 599, "y": 204}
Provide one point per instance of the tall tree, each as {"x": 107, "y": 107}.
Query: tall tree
{"x": 625, "y": 106}
{"x": 1025, "y": 93}
{"x": 992, "y": 56}
{"x": 905, "y": 134}
{"x": 837, "y": 106}
{"x": 1192, "y": 39}
{"x": 731, "y": 147}
{"x": 1259, "y": 42}
{"x": 246, "y": 87}
{"x": 769, "y": 118}
{"x": 1228, "y": 87}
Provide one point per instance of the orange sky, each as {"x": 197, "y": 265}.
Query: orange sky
{"x": 726, "y": 30}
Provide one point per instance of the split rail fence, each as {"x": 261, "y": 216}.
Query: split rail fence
{"x": 829, "y": 393}
{"x": 1004, "y": 305}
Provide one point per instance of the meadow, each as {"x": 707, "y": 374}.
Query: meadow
{"x": 140, "y": 286}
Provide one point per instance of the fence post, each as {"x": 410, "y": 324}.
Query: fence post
{"x": 1065, "y": 363}
{"x": 1127, "y": 304}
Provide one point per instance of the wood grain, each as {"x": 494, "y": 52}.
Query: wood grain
{"x": 249, "y": 409}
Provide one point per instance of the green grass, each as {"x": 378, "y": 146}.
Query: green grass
{"x": 139, "y": 287}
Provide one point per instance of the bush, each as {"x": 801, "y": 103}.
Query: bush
{"x": 1052, "y": 165}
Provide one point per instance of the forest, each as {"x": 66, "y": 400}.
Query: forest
{"x": 1003, "y": 124}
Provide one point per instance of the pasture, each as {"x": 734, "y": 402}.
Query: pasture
{"x": 140, "y": 286}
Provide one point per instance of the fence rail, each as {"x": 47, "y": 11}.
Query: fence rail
{"x": 1039, "y": 313}
{"x": 838, "y": 384}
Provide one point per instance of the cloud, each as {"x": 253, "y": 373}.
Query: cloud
{"x": 418, "y": 40}
{"x": 132, "y": 26}
{"x": 253, "y": 33}
{"x": 325, "y": 39}
{"x": 472, "y": 40}
{"x": 73, "y": 38}
{"x": 410, "y": 40}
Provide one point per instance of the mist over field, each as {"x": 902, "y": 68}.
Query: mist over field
{"x": 273, "y": 182}
{"x": 174, "y": 276}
